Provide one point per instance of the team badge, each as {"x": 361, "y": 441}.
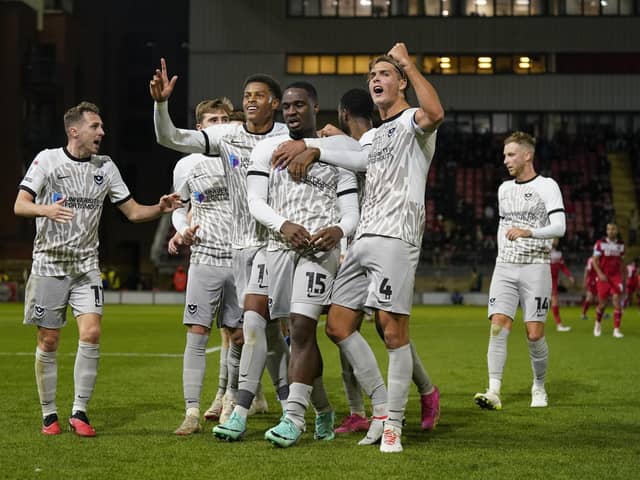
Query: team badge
{"x": 234, "y": 161}
{"x": 192, "y": 308}
{"x": 391, "y": 131}
{"x": 39, "y": 311}
{"x": 98, "y": 178}
{"x": 528, "y": 195}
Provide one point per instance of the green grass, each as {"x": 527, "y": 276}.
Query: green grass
{"x": 590, "y": 430}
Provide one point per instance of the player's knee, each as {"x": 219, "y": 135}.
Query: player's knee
{"x": 91, "y": 334}
{"x": 495, "y": 329}
{"x": 336, "y": 332}
{"x": 48, "y": 342}
{"x": 534, "y": 336}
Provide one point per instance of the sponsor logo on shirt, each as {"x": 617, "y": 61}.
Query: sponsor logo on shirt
{"x": 83, "y": 203}
{"x": 55, "y": 196}
{"x": 234, "y": 160}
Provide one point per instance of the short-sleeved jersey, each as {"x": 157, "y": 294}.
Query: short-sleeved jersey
{"x": 201, "y": 179}
{"x": 312, "y": 202}
{"x": 397, "y": 168}
{"x": 71, "y": 248}
{"x": 610, "y": 254}
{"x": 526, "y": 205}
{"x": 234, "y": 144}
{"x": 557, "y": 264}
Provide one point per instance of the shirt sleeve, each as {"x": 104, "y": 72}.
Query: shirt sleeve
{"x": 556, "y": 227}
{"x": 179, "y": 217}
{"x": 348, "y": 202}
{"x": 341, "y": 151}
{"x": 118, "y": 190}
{"x": 258, "y": 186}
{"x": 36, "y": 177}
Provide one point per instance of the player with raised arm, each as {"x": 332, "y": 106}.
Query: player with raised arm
{"x": 234, "y": 143}
{"x": 355, "y": 118}
{"x": 64, "y": 190}
{"x": 201, "y": 181}
{"x": 306, "y": 219}
{"x": 557, "y": 266}
{"x": 531, "y": 215}
{"x": 379, "y": 269}
{"x": 608, "y": 254}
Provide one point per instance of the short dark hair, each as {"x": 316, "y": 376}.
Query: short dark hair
{"x": 307, "y": 87}
{"x": 358, "y": 103}
{"x": 74, "y": 114}
{"x": 212, "y": 106}
{"x": 274, "y": 86}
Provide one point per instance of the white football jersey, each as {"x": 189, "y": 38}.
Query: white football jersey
{"x": 71, "y": 248}
{"x": 526, "y": 205}
{"x": 398, "y": 165}
{"x": 202, "y": 180}
{"x": 234, "y": 144}
{"x": 312, "y": 202}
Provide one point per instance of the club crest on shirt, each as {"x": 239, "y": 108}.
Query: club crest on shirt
{"x": 192, "y": 308}
{"x": 98, "y": 178}
{"x": 391, "y": 132}
{"x": 528, "y": 195}
{"x": 39, "y": 310}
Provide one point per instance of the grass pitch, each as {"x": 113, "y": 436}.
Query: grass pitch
{"x": 590, "y": 430}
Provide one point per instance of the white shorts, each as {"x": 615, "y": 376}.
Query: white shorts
{"x": 211, "y": 292}
{"x": 377, "y": 272}
{"x": 300, "y": 279}
{"x": 250, "y": 272}
{"x": 46, "y": 298}
{"x": 524, "y": 284}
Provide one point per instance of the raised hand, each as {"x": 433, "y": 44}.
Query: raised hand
{"x": 400, "y": 54}
{"x": 160, "y": 86}
{"x": 58, "y": 212}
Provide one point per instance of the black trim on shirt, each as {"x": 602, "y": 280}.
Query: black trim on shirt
{"x": 244, "y": 125}
{"x": 256, "y": 172}
{"x": 207, "y": 146}
{"x": 391, "y": 119}
{"x": 185, "y": 201}
{"x": 28, "y": 190}
{"x": 557, "y": 210}
{"x": 120, "y": 202}
{"x": 348, "y": 191}
{"x": 75, "y": 159}
{"x": 527, "y": 181}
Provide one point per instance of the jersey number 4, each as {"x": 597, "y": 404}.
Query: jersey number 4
{"x": 385, "y": 289}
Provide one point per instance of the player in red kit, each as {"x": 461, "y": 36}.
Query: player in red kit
{"x": 607, "y": 262}
{"x": 557, "y": 266}
{"x": 591, "y": 291}
{"x": 632, "y": 282}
